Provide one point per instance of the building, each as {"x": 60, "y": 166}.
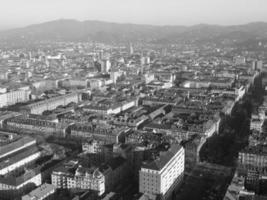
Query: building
{"x": 45, "y": 85}
{"x": 4, "y": 115}
{"x": 87, "y": 195}
{"x": 252, "y": 161}
{"x": 13, "y": 187}
{"x": 105, "y": 66}
{"x": 92, "y": 146}
{"x": 73, "y": 175}
{"x": 114, "y": 75}
{"x": 131, "y": 49}
{"x": 16, "y": 145}
{"x": 257, "y": 65}
{"x": 79, "y": 175}
{"x": 74, "y": 83}
{"x": 18, "y": 154}
{"x": 13, "y": 97}
{"x": 106, "y": 134}
{"x": 45, "y": 191}
{"x": 256, "y": 123}
{"x": 162, "y": 175}
{"x": 115, "y": 172}
{"x": 15, "y": 159}
{"x": 52, "y": 103}
{"x": 20, "y": 159}
{"x": 236, "y": 190}
{"x": 35, "y": 124}
{"x": 149, "y": 77}
{"x": 94, "y": 150}
{"x": 239, "y": 60}
{"x": 254, "y": 157}
{"x": 109, "y": 108}
{"x": 165, "y": 76}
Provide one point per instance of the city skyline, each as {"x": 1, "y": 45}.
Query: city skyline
{"x": 133, "y": 100}
{"x": 14, "y": 13}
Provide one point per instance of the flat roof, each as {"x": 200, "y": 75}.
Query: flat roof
{"x": 14, "y": 145}
{"x": 163, "y": 158}
{"x": 15, "y": 157}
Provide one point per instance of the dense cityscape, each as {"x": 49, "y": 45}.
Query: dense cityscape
{"x": 123, "y": 119}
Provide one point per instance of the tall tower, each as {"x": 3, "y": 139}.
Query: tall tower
{"x": 101, "y": 54}
{"x": 131, "y": 49}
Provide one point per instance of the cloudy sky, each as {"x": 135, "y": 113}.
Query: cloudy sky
{"x": 17, "y": 13}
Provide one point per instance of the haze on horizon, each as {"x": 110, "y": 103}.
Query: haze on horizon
{"x": 18, "y": 13}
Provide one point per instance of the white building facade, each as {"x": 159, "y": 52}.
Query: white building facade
{"x": 157, "y": 178}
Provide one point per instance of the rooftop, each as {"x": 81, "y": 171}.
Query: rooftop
{"x": 19, "y": 155}
{"x": 4, "y": 150}
{"x": 163, "y": 158}
{"x": 259, "y": 149}
{"x": 39, "y": 192}
{"x": 15, "y": 181}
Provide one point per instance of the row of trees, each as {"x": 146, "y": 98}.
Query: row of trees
{"x": 223, "y": 148}
{"x": 233, "y": 136}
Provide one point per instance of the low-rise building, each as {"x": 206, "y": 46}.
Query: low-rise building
{"x": 16, "y": 145}
{"x": 44, "y": 192}
{"x": 253, "y": 162}
{"x": 52, "y": 103}
{"x": 256, "y": 123}
{"x": 107, "y": 134}
{"x": 17, "y": 154}
{"x": 13, "y": 187}
{"x": 18, "y": 159}
{"x": 76, "y": 174}
{"x": 35, "y": 124}
{"x": 72, "y": 175}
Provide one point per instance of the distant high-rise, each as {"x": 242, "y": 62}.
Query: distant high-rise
{"x": 131, "y": 49}
{"x": 145, "y": 60}
{"x": 164, "y": 52}
{"x": 105, "y": 66}
{"x": 101, "y": 54}
{"x": 257, "y": 65}
{"x": 30, "y": 55}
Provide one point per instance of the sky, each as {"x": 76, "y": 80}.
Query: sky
{"x": 19, "y": 13}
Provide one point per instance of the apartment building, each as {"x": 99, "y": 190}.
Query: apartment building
{"x": 160, "y": 176}
{"x": 44, "y": 192}
{"x": 52, "y": 103}
{"x": 13, "y": 97}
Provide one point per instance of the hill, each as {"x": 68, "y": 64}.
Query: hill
{"x": 73, "y": 30}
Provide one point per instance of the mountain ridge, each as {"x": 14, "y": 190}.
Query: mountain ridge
{"x": 102, "y": 31}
